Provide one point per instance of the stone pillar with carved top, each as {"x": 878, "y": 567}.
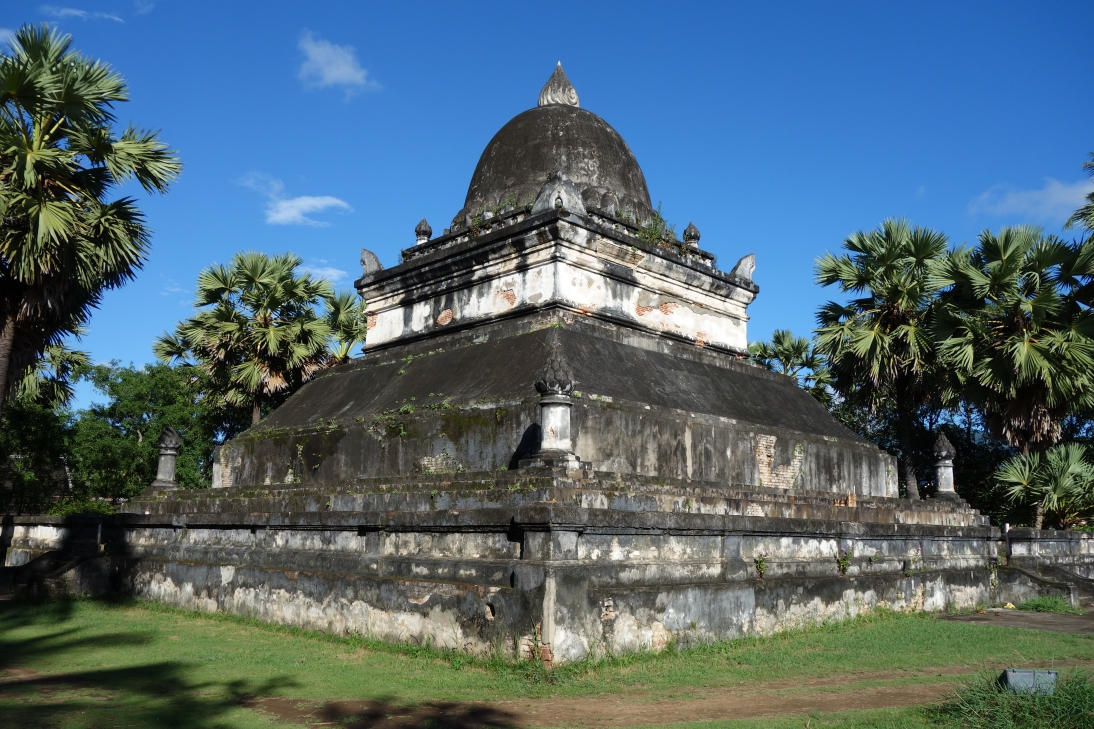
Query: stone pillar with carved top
{"x": 944, "y": 453}
{"x": 169, "y": 444}
{"x": 555, "y": 387}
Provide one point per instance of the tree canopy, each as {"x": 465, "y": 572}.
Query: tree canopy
{"x": 63, "y": 240}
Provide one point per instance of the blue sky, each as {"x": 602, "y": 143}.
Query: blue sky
{"x": 778, "y": 128}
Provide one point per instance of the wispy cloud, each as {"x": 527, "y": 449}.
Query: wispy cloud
{"x": 62, "y": 13}
{"x": 7, "y": 35}
{"x": 326, "y": 64}
{"x": 1053, "y": 203}
{"x": 143, "y": 7}
{"x": 320, "y": 269}
{"x": 281, "y": 210}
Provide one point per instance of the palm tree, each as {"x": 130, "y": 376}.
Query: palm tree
{"x": 49, "y": 381}
{"x": 878, "y": 345}
{"x": 795, "y": 357}
{"x": 1017, "y": 331}
{"x": 346, "y": 319}
{"x": 257, "y": 332}
{"x": 1084, "y": 216}
{"x": 1060, "y": 484}
{"x": 62, "y": 241}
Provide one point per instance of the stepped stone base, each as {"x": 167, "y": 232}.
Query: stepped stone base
{"x": 577, "y": 563}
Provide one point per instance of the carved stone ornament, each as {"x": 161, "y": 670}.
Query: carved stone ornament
{"x": 691, "y": 235}
{"x": 943, "y": 449}
{"x": 558, "y": 90}
{"x": 745, "y": 267}
{"x": 423, "y": 232}
{"x": 370, "y": 263}
{"x": 556, "y": 378}
{"x": 558, "y": 193}
{"x": 170, "y": 440}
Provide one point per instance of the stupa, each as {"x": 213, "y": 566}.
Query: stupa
{"x": 553, "y": 446}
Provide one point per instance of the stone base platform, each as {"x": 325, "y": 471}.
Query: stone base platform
{"x": 578, "y": 562}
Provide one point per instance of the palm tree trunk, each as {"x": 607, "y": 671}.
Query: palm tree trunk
{"x": 1039, "y": 519}
{"x": 7, "y": 338}
{"x": 904, "y": 436}
{"x": 256, "y": 410}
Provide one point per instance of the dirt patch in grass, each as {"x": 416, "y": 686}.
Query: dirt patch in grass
{"x": 1057, "y": 622}
{"x": 882, "y": 690}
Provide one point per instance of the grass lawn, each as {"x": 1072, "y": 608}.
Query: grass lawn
{"x": 89, "y": 664}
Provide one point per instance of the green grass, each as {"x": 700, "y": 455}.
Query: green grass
{"x": 1050, "y": 604}
{"x": 983, "y": 704}
{"x": 86, "y": 663}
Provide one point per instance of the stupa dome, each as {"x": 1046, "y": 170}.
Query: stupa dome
{"x": 559, "y": 136}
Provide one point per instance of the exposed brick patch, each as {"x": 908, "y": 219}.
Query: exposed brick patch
{"x": 370, "y": 321}
{"x": 772, "y": 476}
{"x": 444, "y": 317}
{"x": 509, "y": 295}
{"x": 700, "y": 339}
{"x": 643, "y": 310}
{"x": 667, "y": 308}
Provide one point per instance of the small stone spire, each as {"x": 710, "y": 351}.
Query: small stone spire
{"x": 558, "y": 90}
{"x": 691, "y": 235}
{"x": 423, "y": 232}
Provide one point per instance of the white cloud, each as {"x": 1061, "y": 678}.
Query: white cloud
{"x": 62, "y": 13}
{"x": 7, "y": 35}
{"x": 143, "y": 7}
{"x": 294, "y": 211}
{"x": 326, "y": 64}
{"x": 1053, "y": 203}
{"x": 291, "y": 211}
{"x": 321, "y": 270}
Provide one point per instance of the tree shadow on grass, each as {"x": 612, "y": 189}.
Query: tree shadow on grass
{"x": 157, "y": 694}
{"x": 162, "y": 694}
{"x": 383, "y": 714}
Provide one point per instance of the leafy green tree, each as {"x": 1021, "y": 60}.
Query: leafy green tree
{"x": 1016, "y": 332}
{"x": 795, "y": 357}
{"x": 1084, "y": 216}
{"x": 1060, "y": 483}
{"x": 257, "y": 334}
{"x": 878, "y": 345}
{"x": 35, "y": 433}
{"x": 63, "y": 241}
{"x": 34, "y": 441}
{"x": 114, "y": 452}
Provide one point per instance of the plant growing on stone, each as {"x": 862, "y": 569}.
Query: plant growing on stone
{"x": 916, "y": 564}
{"x": 879, "y": 346}
{"x": 656, "y": 231}
{"x": 63, "y": 241}
{"x": 843, "y": 560}
{"x": 760, "y": 561}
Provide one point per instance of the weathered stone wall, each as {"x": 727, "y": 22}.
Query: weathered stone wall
{"x": 562, "y": 260}
{"x": 669, "y": 413}
{"x": 477, "y": 562}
